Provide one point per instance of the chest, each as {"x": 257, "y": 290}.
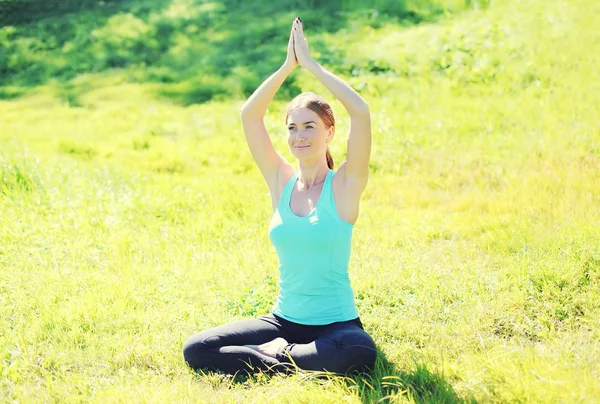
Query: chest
{"x": 304, "y": 201}
{"x": 313, "y": 236}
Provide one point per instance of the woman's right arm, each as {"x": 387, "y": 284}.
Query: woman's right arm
{"x": 253, "y": 112}
{"x": 257, "y": 137}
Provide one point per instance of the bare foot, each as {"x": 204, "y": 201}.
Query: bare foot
{"x": 269, "y": 348}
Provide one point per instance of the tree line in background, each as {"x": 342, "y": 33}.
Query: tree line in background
{"x": 200, "y": 50}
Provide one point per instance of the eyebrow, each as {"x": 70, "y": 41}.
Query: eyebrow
{"x": 305, "y": 123}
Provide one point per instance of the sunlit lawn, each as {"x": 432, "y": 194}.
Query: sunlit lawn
{"x": 129, "y": 222}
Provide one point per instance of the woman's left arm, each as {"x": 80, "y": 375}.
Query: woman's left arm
{"x": 359, "y": 140}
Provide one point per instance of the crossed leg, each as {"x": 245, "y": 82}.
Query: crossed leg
{"x": 342, "y": 348}
{"x": 224, "y": 347}
{"x": 234, "y": 348}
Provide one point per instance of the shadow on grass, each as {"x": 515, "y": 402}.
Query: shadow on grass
{"x": 386, "y": 382}
{"x": 193, "y": 51}
{"x": 420, "y": 384}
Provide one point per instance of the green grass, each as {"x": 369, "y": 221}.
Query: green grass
{"x": 130, "y": 219}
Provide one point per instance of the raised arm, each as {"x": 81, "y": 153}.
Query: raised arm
{"x": 356, "y": 167}
{"x": 252, "y": 113}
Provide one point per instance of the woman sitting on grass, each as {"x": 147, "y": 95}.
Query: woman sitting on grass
{"x": 314, "y": 324}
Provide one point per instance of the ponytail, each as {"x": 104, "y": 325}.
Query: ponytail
{"x": 329, "y": 159}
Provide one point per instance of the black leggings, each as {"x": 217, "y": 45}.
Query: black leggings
{"x": 339, "y": 347}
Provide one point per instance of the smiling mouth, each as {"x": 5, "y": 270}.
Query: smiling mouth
{"x": 301, "y": 147}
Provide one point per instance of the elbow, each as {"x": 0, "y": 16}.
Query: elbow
{"x": 245, "y": 109}
{"x": 361, "y": 110}
{"x": 246, "y": 113}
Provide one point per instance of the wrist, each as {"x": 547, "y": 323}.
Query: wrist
{"x": 310, "y": 65}
{"x": 288, "y": 67}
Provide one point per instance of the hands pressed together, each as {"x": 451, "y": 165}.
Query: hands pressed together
{"x": 297, "y": 53}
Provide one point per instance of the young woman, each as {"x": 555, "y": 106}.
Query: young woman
{"x": 314, "y": 324}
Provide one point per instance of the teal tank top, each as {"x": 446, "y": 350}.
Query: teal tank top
{"x": 314, "y": 252}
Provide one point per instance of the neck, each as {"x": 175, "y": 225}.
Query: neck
{"x": 312, "y": 175}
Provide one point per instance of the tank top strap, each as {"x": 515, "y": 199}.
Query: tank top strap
{"x": 328, "y": 189}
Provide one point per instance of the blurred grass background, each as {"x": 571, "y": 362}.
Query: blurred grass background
{"x": 132, "y": 214}
{"x": 194, "y": 51}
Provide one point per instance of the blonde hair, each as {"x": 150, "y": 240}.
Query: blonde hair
{"x": 318, "y": 105}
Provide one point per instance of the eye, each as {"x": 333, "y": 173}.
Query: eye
{"x": 309, "y": 127}
{"x": 291, "y": 127}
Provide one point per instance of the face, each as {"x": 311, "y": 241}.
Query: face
{"x": 307, "y": 133}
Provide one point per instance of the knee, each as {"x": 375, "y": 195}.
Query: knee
{"x": 366, "y": 350}
{"x": 191, "y": 348}
{"x": 194, "y": 347}
{"x": 368, "y": 358}
{"x": 361, "y": 351}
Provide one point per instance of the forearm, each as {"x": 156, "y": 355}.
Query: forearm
{"x": 354, "y": 103}
{"x": 259, "y": 101}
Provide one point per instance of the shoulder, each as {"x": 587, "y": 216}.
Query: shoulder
{"x": 286, "y": 172}
{"x": 278, "y": 182}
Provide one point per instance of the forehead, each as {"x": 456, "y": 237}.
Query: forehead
{"x": 301, "y": 115}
